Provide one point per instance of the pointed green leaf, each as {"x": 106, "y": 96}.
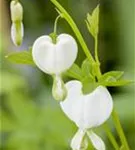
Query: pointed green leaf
{"x": 86, "y": 67}
{"x": 92, "y": 22}
{"x": 89, "y": 84}
{"x": 74, "y": 72}
{"x": 23, "y": 57}
{"x": 116, "y": 83}
{"x": 111, "y": 76}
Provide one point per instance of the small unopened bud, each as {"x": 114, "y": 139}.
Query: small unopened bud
{"x": 16, "y": 11}
{"x": 59, "y": 91}
{"x": 17, "y": 33}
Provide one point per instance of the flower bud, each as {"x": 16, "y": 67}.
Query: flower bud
{"x": 59, "y": 91}
{"x": 17, "y": 32}
{"x": 16, "y": 11}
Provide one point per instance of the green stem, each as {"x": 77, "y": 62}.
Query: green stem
{"x": 120, "y": 130}
{"x": 68, "y": 18}
{"x": 55, "y": 24}
{"x": 16, "y": 1}
{"x": 110, "y": 136}
{"x": 98, "y": 71}
{"x": 96, "y": 50}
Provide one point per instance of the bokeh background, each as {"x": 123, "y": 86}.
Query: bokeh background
{"x": 30, "y": 118}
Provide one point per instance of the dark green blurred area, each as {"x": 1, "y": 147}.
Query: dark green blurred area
{"x": 30, "y": 118}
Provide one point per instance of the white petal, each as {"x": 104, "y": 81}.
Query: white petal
{"x": 87, "y": 111}
{"x": 79, "y": 142}
{"x": 97, "y": 142}
{"x": 98, "y": 107}
{"x": 54, "y": 58}
{"x": 72, "y": 105}
{"x": 16, "y": 11}
{"x": 17, "y": 33}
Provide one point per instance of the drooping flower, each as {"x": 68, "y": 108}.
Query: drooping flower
{"x": 17, "y": 29}
{"x": 87, "y": 111}
{"x": 55, "y": 58}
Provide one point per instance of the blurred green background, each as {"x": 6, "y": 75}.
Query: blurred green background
{"x": 30, "y": 118}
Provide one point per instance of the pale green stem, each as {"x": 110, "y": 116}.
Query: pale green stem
{"x": 16, "y": 1}
{"x": 55, "y": 24}
{"x": 75, "y": 29}
{"x": 120, "y": 130}
{"x": 96, "y": 50}
{"x": 98, "y": 71}
{"x": 110, "y": 136}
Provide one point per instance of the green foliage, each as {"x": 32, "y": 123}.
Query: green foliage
{"x": 86, "y": 67}
{"x": 87, "y": 75}
{"x": 93, "y": 21}
{"x": 23, "y": 57}
{"x": 111, "y": 76}
{"x": 28, "y": 125}
{"x": 75, "y": 72}
{"x": 116, "y": 83}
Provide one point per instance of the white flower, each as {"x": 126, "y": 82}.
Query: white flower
{"x": 16, "y": 11}
{"x": 88, "y": 111}
{"x": 54, "y": 58}
{"x": 17, "y": 33}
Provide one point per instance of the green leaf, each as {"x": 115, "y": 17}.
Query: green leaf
{"x": 74, "y": 72}
{"x": 86, "y": 67}
{"x": 116, "y": 83}
{"x": 111, "y": 76}
{"x": 89, "y": 84}
{"x": 23, "y": 57}
{"x": 92, "y": 22}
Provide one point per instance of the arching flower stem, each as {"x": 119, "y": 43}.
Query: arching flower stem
{"x": 119, "y": 129}
{"x": 110, "y": 136}
{"x": 75, "y": 29}
{"x": 55, "y": 24}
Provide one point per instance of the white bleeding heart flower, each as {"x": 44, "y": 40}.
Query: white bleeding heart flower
{"x": 54, "y": 58}
{"x": 88, "y": 111}
{"x": 17, "y": 33}
{"x": 16, "y": 11}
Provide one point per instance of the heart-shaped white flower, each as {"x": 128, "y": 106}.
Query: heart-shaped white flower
{"x": 89, "y": 110}
{"x": 54, "y": 58}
